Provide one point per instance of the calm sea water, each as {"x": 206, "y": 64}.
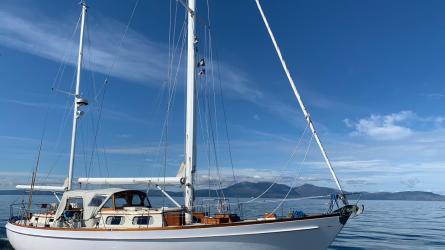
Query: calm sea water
{"x": 384, "y": 224}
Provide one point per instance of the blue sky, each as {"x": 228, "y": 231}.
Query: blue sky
{"x": 370, "y": 72}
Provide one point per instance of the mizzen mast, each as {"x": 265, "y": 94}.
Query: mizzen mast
{"x": 190, "y": 131}
{"x": 78, "y": 101}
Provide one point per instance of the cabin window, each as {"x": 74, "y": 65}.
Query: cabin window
{"x": 130, "y": 199}
{"x": 137, "y": 200}
{"x": 74, "y": 203}
{"x": 108, "y": 204}
{"x": 115, "y": 220}
{"x": 120, "y": 200}
{"x": 142, "y": 220}
{"x": 74, "y": 208}
{"x": 97, "y": 200}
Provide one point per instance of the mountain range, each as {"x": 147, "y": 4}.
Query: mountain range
{"x": 251, "y": 189}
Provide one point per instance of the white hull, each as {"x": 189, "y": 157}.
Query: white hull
{"x": 306, "y": 234}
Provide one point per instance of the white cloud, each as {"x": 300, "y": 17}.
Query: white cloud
{"x": 108, "y": 113}
{"x": 32, "y": 104}
{"x": 255, "y": 175}
{"x": 51, "y": 39}
{"x": 383, "y": 127}
{"x": 138, "y": 59}
{"x": 240, "y": 83}
{"x": 9, "y": 179}
{"x": 132, "y": 150}
{"x": 18, "y": 138}
{"x": 434, "y": 95}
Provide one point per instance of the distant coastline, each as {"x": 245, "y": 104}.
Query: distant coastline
{"x": 250, "y": 189}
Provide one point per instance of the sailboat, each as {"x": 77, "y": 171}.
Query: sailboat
{"x": 122, "y": 218}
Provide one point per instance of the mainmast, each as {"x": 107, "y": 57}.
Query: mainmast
{"x": 78, "y": 101}
{"x": 190, "y": 131}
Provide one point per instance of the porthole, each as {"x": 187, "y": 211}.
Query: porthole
{"x": 142, "y": 220}
{"x": 115, "y": 220}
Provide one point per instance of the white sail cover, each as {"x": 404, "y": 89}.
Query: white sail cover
{"x": 133, "y": 181}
